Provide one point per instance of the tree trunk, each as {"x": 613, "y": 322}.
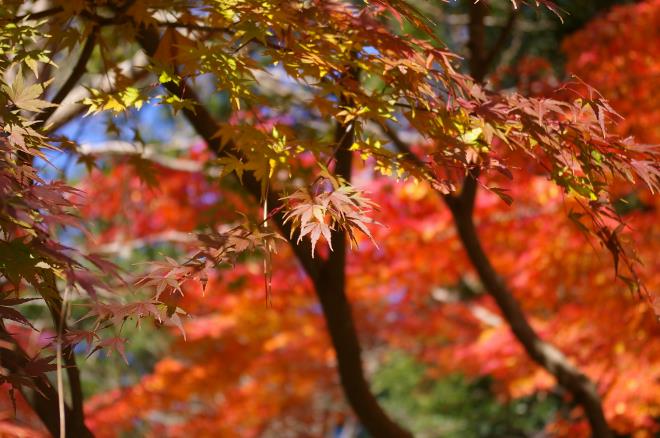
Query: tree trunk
{"x": 582, "y": 389}
{"x": 328, "y": 278}
{"x": 545, "y": 354}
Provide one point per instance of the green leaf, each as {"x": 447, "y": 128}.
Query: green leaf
{"x": 25, "y": 97}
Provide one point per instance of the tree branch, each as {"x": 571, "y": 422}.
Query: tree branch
{"x": 66, "y": 112}
{"x": 477, "y": 39}
{"x": 330, "y": 288}
{"x": 37, "y": 15}
{"x": 478, "y": 69}
{"x": 582, "y": 389}
{"x": 542, "y": 352}
{"x": 78, "y": 70}
{"x": 206, "y": 126}
{"x": 568, "y": 376}
{"x": 194, "y": 26}
{"x": 469, "y": 191}
{"x": 500, "y": 43}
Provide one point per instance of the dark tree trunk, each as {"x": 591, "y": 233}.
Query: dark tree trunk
{"x": 328, "y": 278}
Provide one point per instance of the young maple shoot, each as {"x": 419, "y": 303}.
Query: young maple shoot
{"x": 213, "y": 250}
{"x": 330, "y": 204}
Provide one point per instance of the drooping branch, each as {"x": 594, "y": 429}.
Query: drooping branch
{"x": 328, "y": 277}
{"x": 540, "y": 351}
{"x": 206, "y": 127}
{"x": 582, "y": 389}
{"x": 568, "y": 376}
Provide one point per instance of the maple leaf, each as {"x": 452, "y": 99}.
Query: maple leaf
{"x": 114, "y": 343}
{"x": 38, "y": 366}
{"x": 649, "y": 172}
{"x": 13, "y": 314}
{"x": 74, "y": 337}
{"x": 316, "y": 215}
{"x": 25, "y": 97}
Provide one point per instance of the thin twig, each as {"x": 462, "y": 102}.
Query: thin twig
{"x": 36, "y": 15}
{"x": 542, "y": 352}
{"x": 192, "y": 26}
{"x": 60, "y": 379}
{"x": 501, "y": 41}
{"x": 78, "y": 70}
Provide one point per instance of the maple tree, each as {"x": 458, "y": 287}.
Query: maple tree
{"x": 262, "y": 213}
